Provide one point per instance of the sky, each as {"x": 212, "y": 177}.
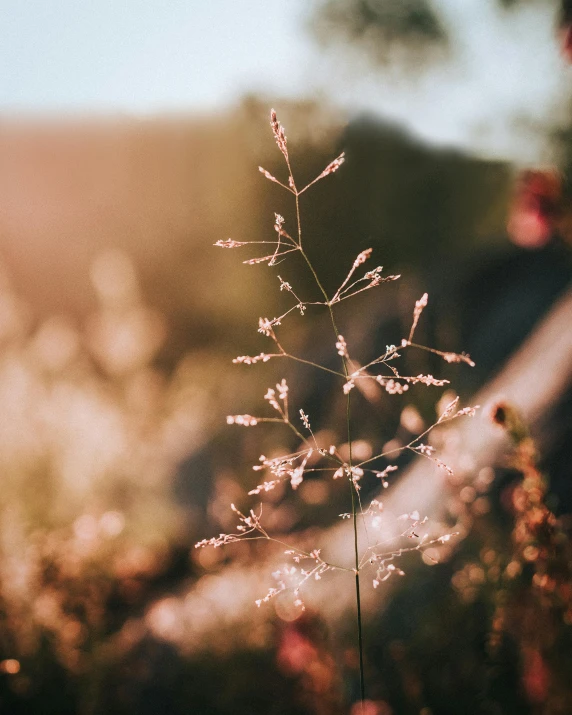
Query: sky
{"x": 145, "y": 57}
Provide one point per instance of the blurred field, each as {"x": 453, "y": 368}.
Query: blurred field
{"x": 118, "y": 321}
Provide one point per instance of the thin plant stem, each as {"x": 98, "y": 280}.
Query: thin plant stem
{"x": 356, "y": 554}
{"x": 284, "y": 353}
{"x": 313, "y": 364}
{"x": 292, "y": 466}
{"x": 358, "y": 603}
{"x": 352, "y": 485}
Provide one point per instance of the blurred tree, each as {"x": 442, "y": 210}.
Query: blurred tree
{"x": 381, "y": 24}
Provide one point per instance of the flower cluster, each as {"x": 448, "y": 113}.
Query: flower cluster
{"x": 344, "y": 461}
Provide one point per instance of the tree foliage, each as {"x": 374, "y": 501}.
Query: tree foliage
{"x": 381, "y": 24}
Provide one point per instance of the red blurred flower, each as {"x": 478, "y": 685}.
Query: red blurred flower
{"x": 535, "y": 208}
